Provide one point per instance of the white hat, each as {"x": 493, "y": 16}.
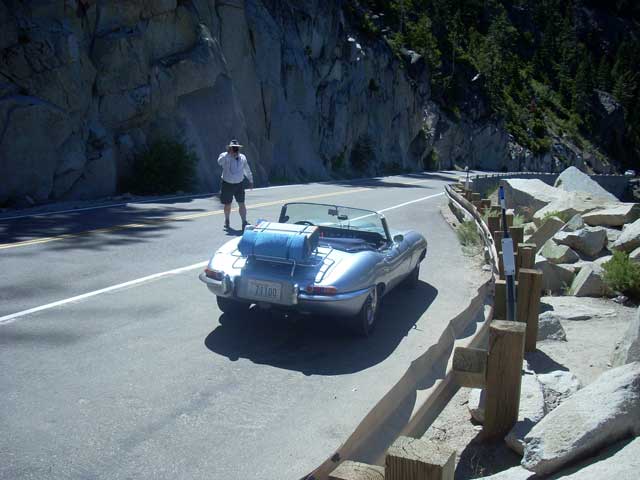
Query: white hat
{"x": 234, "y": 143}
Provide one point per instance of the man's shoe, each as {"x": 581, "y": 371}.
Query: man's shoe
{"x": 244, "y": 224}
{"x": 226, "y": 226}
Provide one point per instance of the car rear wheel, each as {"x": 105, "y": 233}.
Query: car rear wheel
{"x": 365, "y": 321}
{"x": 231, "y": 306}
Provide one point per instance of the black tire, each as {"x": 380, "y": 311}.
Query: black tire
{"x": 231, "y": 306}
{"x": 413, "y": 280}
{"x": 365, "y": 321}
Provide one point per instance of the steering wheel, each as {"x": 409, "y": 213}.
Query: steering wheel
{"x": 304, "y": 222}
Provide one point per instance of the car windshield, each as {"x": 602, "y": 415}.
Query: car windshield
{"x": 334, "y": 216}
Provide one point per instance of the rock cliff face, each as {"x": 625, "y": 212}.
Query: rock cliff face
{"x": 86, "y": 84}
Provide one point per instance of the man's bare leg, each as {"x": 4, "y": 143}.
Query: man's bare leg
{"x": 242, "y": 209}
{"x": 227, "y": 213}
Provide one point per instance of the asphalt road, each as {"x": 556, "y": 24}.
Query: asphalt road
{"x": 149, "y": 380}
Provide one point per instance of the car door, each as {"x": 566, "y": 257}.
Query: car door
{"x": 396, "y": 262}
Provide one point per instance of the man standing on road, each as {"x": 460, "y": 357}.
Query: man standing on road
{"x": 234, "y": 169}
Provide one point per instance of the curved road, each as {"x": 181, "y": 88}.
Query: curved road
{"x": 148, "y": 380}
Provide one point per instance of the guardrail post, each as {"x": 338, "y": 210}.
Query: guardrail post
{"x": 509, "y": 216}
{"x": 504, "y": 366}
{"x": 417, "y": 459}
{"x": 349, "y": 470}
{"x": 500, "y": 299}
{"x": 493, "y": 223}
{"x": 527, "y": 255}
{"x": 517, "y": 233}
{"x": 530, "y": 282}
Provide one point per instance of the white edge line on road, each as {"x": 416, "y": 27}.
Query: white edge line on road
{"x": 197, "y": 195}
{"x": 12, "y": 317}
{"x": 409, "y": 203}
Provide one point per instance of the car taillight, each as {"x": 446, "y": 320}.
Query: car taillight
{"x": 214, "y": 274}
{"x": 319, "y": 290}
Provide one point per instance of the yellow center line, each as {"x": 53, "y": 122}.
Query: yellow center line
{"x": 151, "y": 223}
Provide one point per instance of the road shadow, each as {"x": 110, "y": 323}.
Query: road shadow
{"x": 96, "y": 229}
{"x": 319, "y": 345}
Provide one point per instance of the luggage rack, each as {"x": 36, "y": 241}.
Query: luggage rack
{"x": 316, "y": 258}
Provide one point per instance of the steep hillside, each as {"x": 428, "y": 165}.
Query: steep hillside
{"x": 314, "y": 89}
{"x": 559, "y": 74}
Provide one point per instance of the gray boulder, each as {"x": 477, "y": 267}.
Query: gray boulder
{"x": 605, "y": 411}
{"x": 619, "y": 462}
{"x": 558, "y": 253}
{"x": 572, "y": 309}
{"x": 546, "y": 231}
{"x": 602, "y": 260}
{"x": 555, "y": 278}
{"x": 575, "y": 223}
{"x": 568, "y": 205}
{"x": 634, "y": 255}
{"x": 550, "y": 328}
{"x": 589, "y": 240}
{"x": 612, "y": 237}
{"x": 531, "y": 411}
{"x": 529, "y": 196}
{"x": 613, "y": 216}
{"x": 629, "y": 239}
{"x": 557, "y": 386}
{"x": 589, "y": 282}
{"x": 627, "y": 350}
{"x": 573, "y": 180}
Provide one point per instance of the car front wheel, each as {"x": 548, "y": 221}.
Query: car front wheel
{"x": 231, "y": 306}
{"x": 413, "y": 279}
{"x": 365, "y": 321}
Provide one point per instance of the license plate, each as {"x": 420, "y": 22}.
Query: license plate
{"x": 264, "y": 290}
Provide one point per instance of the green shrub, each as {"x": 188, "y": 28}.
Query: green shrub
{"x": 165, "y": 167}
{"x": 518, "y": 220}
{"x": 621, "y": 274}
{"x": 468, "y": 235}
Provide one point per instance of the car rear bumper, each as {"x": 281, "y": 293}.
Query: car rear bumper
{"x": 342, "y": 304}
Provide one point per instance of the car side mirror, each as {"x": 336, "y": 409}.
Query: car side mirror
{"x": 398, "y": 238}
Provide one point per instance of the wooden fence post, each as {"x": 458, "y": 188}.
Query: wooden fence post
{"x": 475, "y": 197}
{"x": 517, "y": 234}
{"x": 417, "y": 459}
{"x": 530, "y": 282}
{"x": 349, "y": 470}
{"x": 527, "y": 255}
{"x": 509, "y": 215}
{"x": 493, "y": 223}
{"x": 504, "y": 367}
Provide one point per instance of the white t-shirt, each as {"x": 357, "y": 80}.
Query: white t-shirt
{"x": 234, "y": 167}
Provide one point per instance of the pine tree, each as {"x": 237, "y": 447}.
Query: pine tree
{"x": 603, "y": 78}
{"x": 583, "y": 86}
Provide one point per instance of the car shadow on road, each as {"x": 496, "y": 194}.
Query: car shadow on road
{"x": 320, "y": 345}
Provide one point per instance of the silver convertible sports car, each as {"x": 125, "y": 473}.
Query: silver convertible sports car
{"x": 323, "y": 259}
